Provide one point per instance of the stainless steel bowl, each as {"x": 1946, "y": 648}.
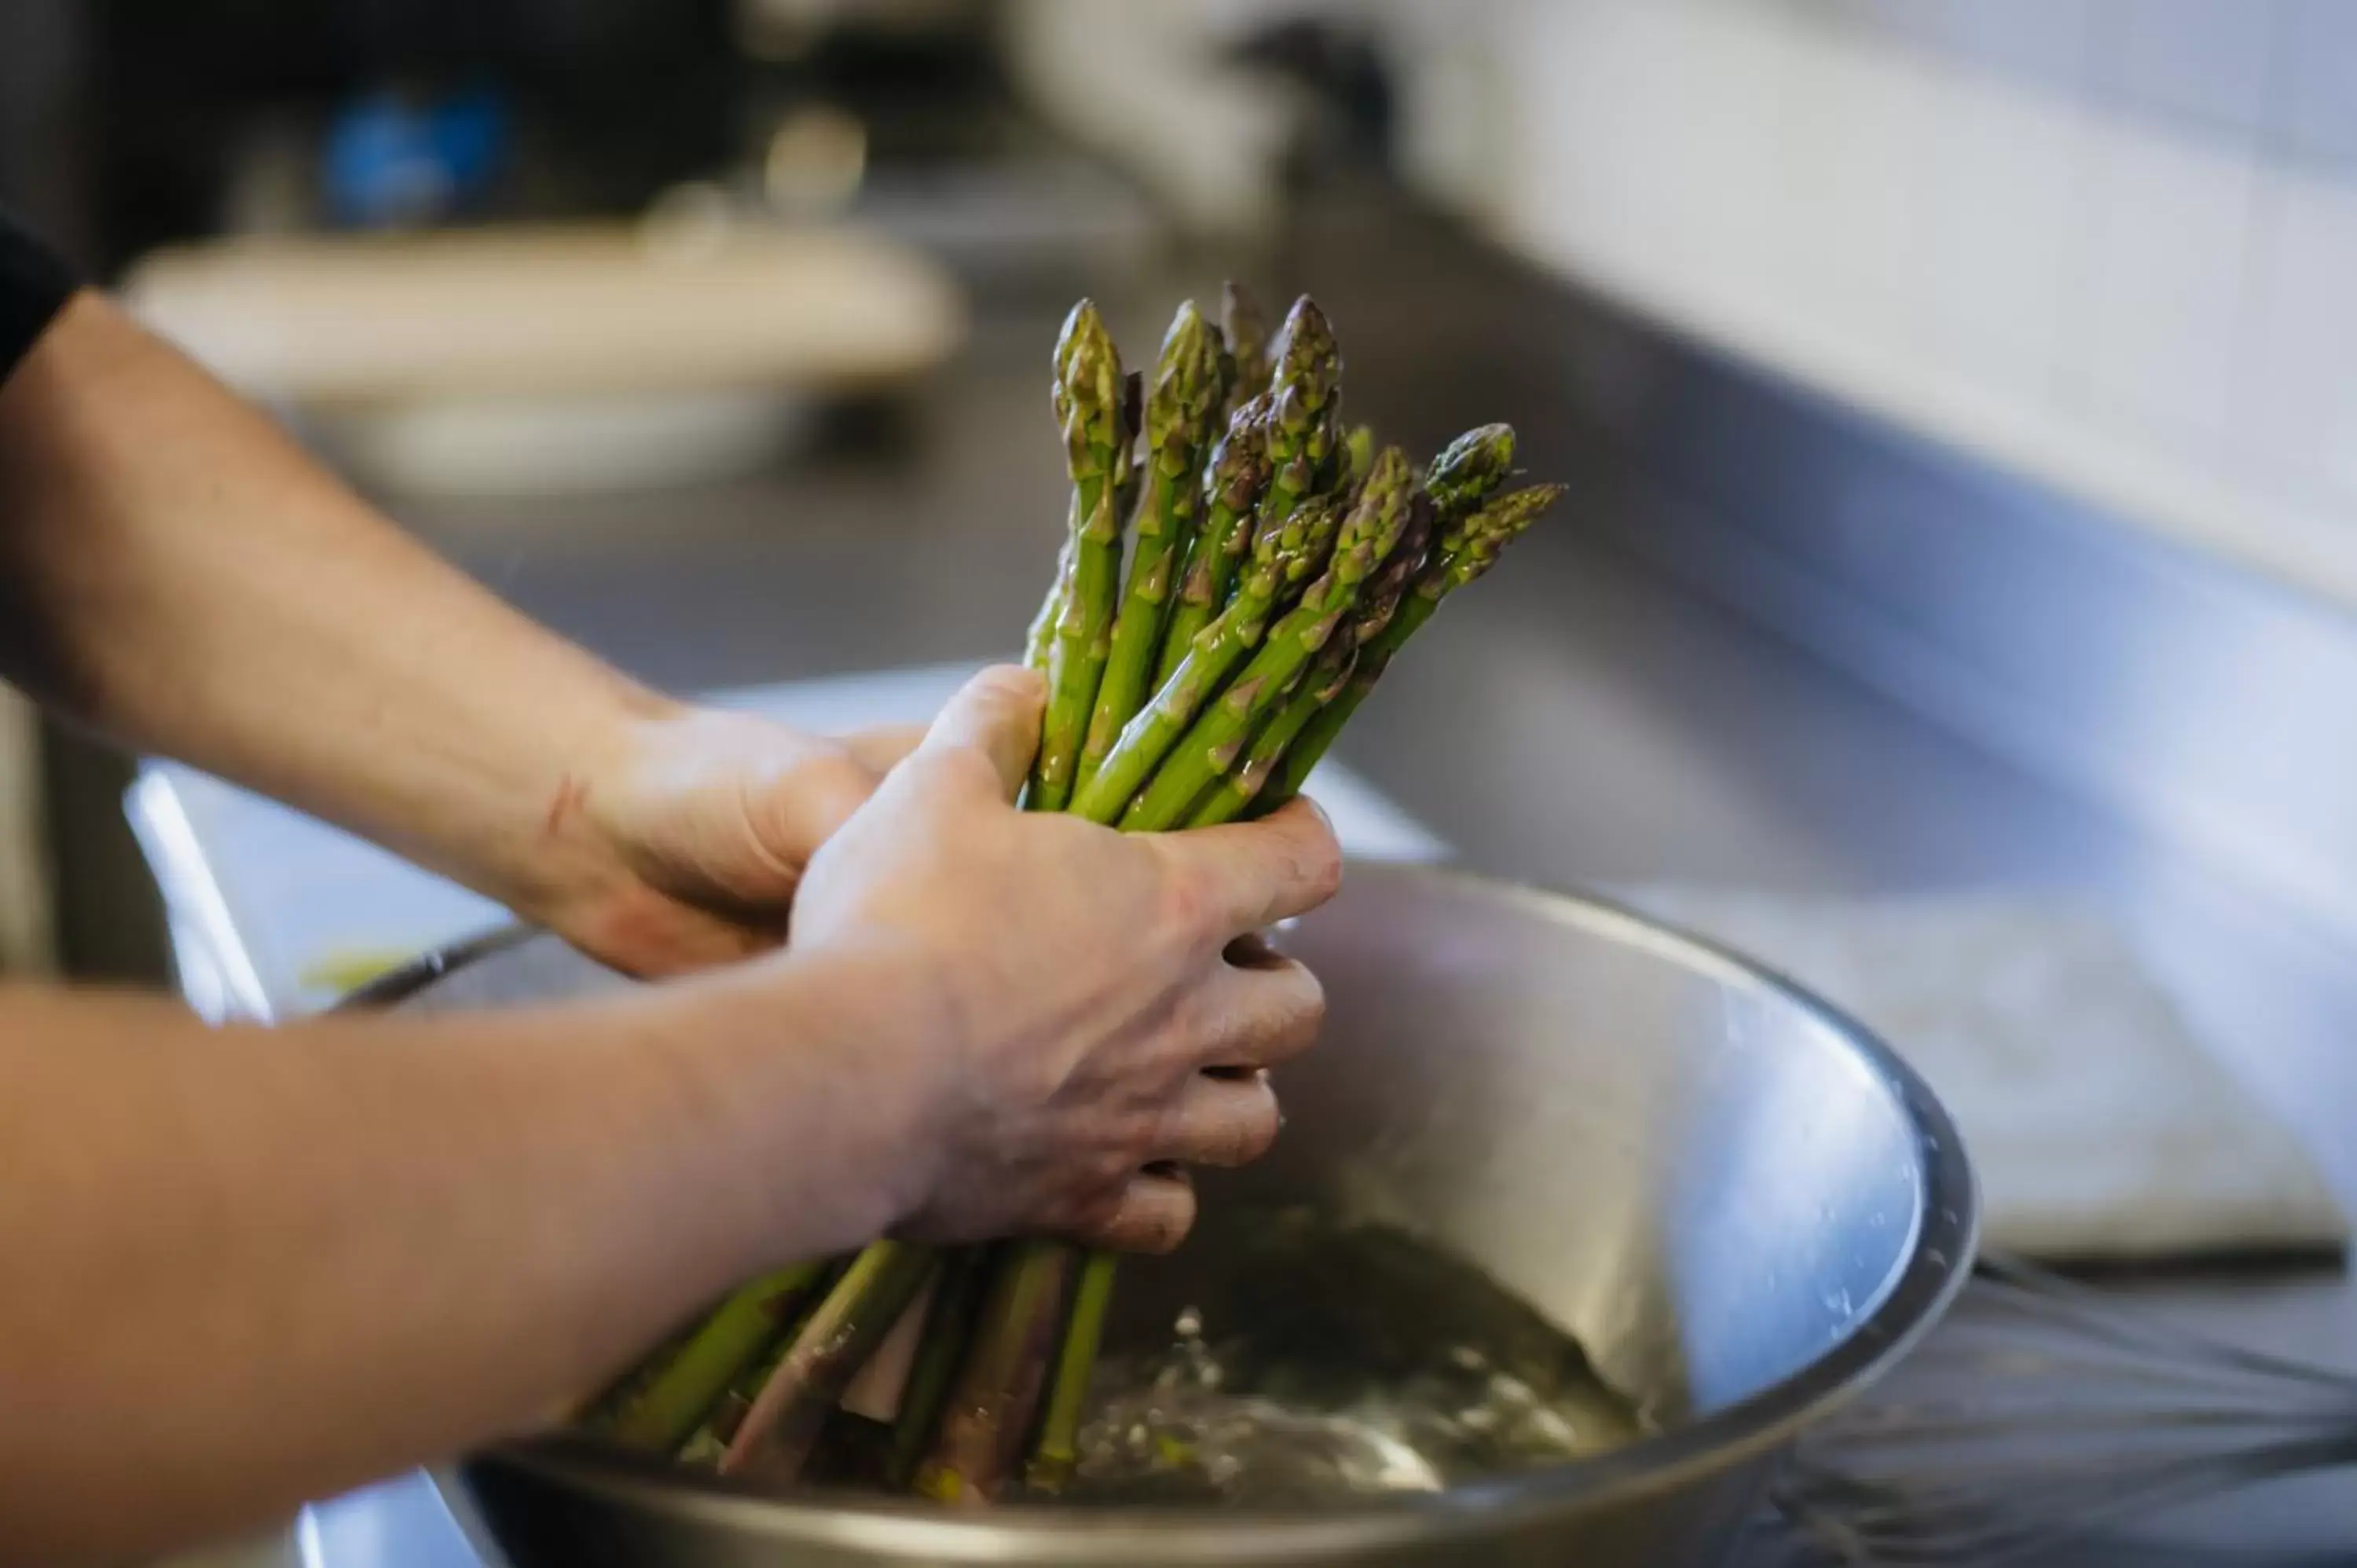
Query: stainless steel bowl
{"x": 1742, "y": 1205}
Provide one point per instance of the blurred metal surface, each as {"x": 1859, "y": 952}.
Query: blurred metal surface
{"x": 1744, "y": 1207}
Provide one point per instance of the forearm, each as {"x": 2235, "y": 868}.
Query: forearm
{"x": 249, "y": 1267}
{"x": 178, "y": 573}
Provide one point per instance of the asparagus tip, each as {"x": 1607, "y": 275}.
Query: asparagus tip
{"x": 1473, "y": 466}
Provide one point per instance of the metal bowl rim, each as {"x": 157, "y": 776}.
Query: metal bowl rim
{"x": 1938, "y": 1263}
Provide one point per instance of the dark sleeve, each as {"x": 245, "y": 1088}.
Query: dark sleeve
{"x": 34, "y": 283}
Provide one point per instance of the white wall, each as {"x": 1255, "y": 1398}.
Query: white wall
{"x": 2113, "y": 243}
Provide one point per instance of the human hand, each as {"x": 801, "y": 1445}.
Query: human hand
{"x": 1090, "y": 1012}
{"x": 694, "y": 832}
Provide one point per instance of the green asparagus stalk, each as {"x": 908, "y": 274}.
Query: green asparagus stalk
{"x": 1179, "y": 428}
{"x": 1246, "y": 328}
{"x": 778, "y": 1433}
{"x": 990, "y": 1408}
{"x": 949, "y": 1328}
{"x": 1216, "y": 740}
{"x": 1284, "y": 555}
{"x": 1089, "y": 396}
{"x": 1460, "y": 556}
{"x": 727, "y": 1413}
{"x": 1057, "y": 1453}
{"x": 1133, "y": 404}
{"x": 1040, "y": 641}
{"x": 1304, "y": 407}
{"x": 661, "y": 1414}
{"x": 1233, "y": 483}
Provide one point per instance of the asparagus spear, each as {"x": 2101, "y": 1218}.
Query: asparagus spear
{"x": 1058, "y": 1450}
{"x": 1303, "y": 408}
{"x": 1233, "y": 483}
{"x": 661, "y": 1415}
{"x": 997, "y": 1390}
{"x": 1133, "y": 406}
{"x": 1246, "y": 331}
{"x": 1178, "y": 428}
{"x": 1088, "y": 399}
{"x": 727, "y": 1413}
{"x": 778, "y": 1432}
{"x": 1462, "y": 554}
{"x": 1215, "y": 740}
{"x": 949, "y": 1327}
{"x": 1284, "y": 553}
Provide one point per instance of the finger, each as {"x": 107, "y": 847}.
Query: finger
{"x": 1220, "y": 1121}
{"x": 1259, "y": 1017}
{"x": 802, "y": 810}
{"x": 881, "y": 748}
{"x": 1249, "y": 875}
{"x": 995, "y": 715}
{"x": 1154, "y": 1215}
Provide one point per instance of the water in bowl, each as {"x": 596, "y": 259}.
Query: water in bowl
{"x": 1322, "y": 1360}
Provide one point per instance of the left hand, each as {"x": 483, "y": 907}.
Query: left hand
{"x": 699, "y": 824}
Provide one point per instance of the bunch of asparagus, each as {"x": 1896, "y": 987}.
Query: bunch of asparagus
{"x": 1276, "y": 563}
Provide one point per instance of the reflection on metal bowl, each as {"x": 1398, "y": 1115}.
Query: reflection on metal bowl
{"x": 1740, "y": 1205}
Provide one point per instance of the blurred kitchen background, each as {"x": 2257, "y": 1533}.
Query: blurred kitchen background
{"x": 715, "y": 332}
{"x": 1956, "y": 605}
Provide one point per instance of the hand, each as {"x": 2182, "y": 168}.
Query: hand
{"x": 699, "y": 828}
{"x": 1082, "y": 1023}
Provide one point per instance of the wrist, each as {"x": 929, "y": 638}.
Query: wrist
{"x": 569, "y": 870}
{"x": 823, "y": 1070}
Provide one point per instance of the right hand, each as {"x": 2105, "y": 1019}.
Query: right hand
{"x": 1097, "y": 1019}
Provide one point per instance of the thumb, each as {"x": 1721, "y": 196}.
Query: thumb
{"x": 995, "y": 717}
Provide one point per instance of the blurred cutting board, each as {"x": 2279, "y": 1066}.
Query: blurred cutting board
{"x": 2100, "y": 1126}
{"x": 554, "y": 310}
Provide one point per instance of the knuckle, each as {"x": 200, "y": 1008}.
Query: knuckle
{"x": 1111, "y": 1170}
{"x": 1319, "y": 865}
{"x": 1189, "y": 902}
{"x": 1095, "y": 1213}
